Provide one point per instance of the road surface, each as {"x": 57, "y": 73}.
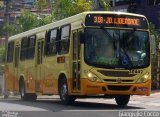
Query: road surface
{"x": 51, "y": 107}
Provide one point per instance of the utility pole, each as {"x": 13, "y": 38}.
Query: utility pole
{"x": 158, "y": 67}
{"x": 6, "y": 21}
{"x": 113, "y": 3}
{"x": 7, "y": 15}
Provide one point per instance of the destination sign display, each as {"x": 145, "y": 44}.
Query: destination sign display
{"x": 113, "y": 20}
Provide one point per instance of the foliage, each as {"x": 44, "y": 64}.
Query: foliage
{"x": 48, "y": 19}
{"x": 10, "y": 29}
{"x": 42, "y": 4}
{"x": 2, "y": 49}
{"x": 61, "y": 9}
{"x": 154, "y": 32}
{"x": 105, "y": 4}
{"x": 66, "y": 8}
{"x": 152, "y": 28}
{"x": 27, "y": 21}
{"x": 154, "y": 57}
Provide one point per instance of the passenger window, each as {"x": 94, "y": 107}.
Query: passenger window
{"x": 28, "y": 47}
{"x": 31, "y": 47}
{"x": 51, "y": 42}
{"x": 10, "y": 52}
{"x": 24, "y": 44}
{"x": 64, "y": 40}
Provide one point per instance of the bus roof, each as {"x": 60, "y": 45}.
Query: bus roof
{"x": 68, "y": 20}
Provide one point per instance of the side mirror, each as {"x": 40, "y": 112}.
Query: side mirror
{"x": 82, "y": 37}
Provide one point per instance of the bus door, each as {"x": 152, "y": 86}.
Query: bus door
{"x": 39, "y": 68}
{"x": 16, "y": 65}
{"x": 76, "y": 84}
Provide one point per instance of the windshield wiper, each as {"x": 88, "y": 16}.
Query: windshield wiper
{"x": 107, "y": 34}
{"x": 131, "y": 34}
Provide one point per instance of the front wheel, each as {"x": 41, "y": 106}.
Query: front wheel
{"x": 122, "y": 100}
{"x": 63, "y": 92}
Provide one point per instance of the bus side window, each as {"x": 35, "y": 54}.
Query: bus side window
{"x": 51, "y": 42}
{"x": 64, "y": 40}
{"x": 31, "y": 47}
{"x": 10, "y": 52}
{"x": 24, "y": 44}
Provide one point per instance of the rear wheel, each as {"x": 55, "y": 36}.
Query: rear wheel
{"x": 26, "y": 96}
{"x": 122, "y": 100}
{"x": 63, "y": 92}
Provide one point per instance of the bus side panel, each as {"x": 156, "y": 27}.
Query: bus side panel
{"x": 50, "y": 84}
{"x": 30, "y": 76}
{"x": 9, "y": 77}
{"x": 11, "y": 81}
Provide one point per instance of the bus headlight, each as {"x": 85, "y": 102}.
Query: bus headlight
{"x": 143, "y": 79}
{"x": 93, "y": 77}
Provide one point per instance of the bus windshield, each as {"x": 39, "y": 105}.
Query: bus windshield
{"x": 116, "y": 48}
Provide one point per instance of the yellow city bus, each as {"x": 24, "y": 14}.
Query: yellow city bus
{"x": 92, "y": 54}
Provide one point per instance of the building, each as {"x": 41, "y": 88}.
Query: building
{"x": 149, "y": 8}
{"x": 16, "y": 8}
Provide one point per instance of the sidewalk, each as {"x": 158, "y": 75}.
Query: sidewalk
{"x": 1, "y": 84}
{"x": 155, "y": 91}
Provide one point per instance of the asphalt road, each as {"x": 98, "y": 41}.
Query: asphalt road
{"x": 139, "y": 106}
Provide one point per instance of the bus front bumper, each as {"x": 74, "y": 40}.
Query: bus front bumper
{"x": 93, "y": 88}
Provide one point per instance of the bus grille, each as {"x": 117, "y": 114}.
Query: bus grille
{"x": 115, "y": 81}
{"x": 116, "y": 73}
{"x": 118, "y": 88}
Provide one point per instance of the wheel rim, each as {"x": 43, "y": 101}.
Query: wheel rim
{"x": 22, "y": 90}
{"x": 64, "y": 91}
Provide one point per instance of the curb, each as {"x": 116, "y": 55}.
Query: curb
{"x": 155, "y": 91}
{"x": 1, "y": 97}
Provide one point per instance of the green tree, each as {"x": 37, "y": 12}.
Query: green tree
{"x": 154, "y": 32}
{"x": 81, "y": 6}
{"x": 66, "y": 8}
{"x": 28, "y": 21}
{"x": 154, "y": 57}
{"x": 105, "y": 4}
{"x": 48, "y": 19}
{"x": 11, "y": 29}
{"x": 42, "y": 4}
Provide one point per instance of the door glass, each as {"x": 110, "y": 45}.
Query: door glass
{"x": 16, "y": 56}
{"x": 74, "y": 46}
{"x": 40, "y": 51}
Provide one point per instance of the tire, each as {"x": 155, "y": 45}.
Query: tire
{"x": 63, "y": 93}
{"x": 122, "y": 100}
{"x": 26, "y": 96}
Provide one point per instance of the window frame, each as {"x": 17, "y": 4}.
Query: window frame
{"x": 48, "y": 43}
{"x": 10, "y": 54}
{"x": 31, "y": 47}
{"x": 23, "y": 51}
{"x": 60, "y": 39}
